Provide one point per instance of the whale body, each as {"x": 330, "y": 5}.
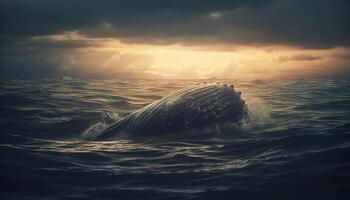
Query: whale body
{"x": 196, "y": 106}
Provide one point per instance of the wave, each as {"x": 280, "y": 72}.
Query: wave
{"x": 295, "y": 138}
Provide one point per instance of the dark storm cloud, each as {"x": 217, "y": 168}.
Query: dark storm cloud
{"x": 40, "y": 17}
{"x": 29, "y": 64}
{"x": 27, "y": 50}
{"x": 304, "y": 23}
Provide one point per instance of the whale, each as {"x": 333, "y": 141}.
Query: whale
{"x": 194, "y": 107}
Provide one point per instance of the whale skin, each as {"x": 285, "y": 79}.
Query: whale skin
{"x": 194, "y": 107}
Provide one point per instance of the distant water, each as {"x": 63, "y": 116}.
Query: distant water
{"x": 295, "y": 145}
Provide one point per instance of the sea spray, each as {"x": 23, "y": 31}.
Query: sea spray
{"x": 95, "y": 129}
{"x": 258, "y": 114}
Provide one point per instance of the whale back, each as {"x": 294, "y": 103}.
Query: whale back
{"x": 193, "y": 106}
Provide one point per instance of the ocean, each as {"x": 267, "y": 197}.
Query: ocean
{"x": 295, "y": 145}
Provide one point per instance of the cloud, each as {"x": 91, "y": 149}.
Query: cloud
{"x": 99, "y": 64}
{"x": 63, "y": 37}
{"x": 303, "y": 23}
{"x": 298, "y": 57}
{"x": 343, "y": 56}
{"x": 31, "y": 65}
{"x": 73, "y": 55}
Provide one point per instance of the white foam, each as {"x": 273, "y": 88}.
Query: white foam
{"x": 96, "y": 129}
{"x": 258, "y": 114}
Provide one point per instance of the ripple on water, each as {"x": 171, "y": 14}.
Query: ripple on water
{"x": 295, "y": 144}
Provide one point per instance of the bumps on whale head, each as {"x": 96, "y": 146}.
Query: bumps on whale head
{"x": 218, "y": 83}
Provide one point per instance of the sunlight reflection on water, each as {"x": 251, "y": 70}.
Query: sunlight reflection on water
{"x": 297, "y": 136}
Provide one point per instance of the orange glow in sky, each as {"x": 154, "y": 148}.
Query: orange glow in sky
{"x": 115, "y": 59}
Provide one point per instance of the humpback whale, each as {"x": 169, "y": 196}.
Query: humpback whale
{"x": 193, "y": 107}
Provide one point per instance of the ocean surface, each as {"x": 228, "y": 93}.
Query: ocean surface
{"x": 295, "y": 145}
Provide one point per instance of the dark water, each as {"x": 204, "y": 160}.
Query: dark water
{"x": 296, "y": 144}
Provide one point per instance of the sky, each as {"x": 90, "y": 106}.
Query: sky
{"x": 175, "y": 39}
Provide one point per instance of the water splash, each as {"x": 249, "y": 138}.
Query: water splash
{"x": 96, "y": 129}
{"x": 258, "y": 115}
